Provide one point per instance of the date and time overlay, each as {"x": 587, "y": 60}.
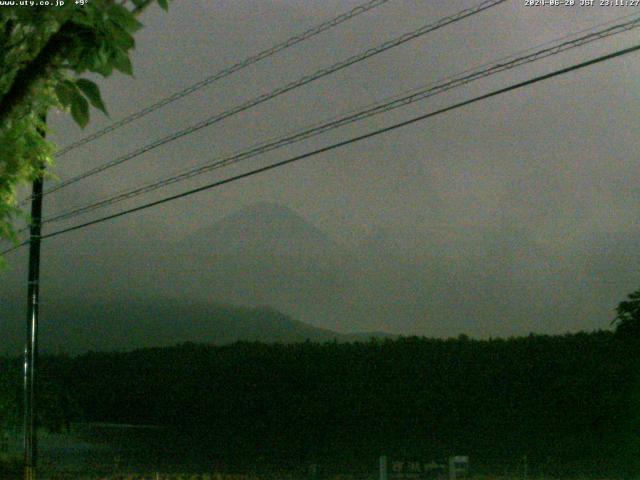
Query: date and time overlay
{"x": 581, "y": 3}
{"x": 526, "y": 3}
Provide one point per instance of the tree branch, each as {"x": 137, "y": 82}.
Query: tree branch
{"x": 38, "y": 68}
{"x": 27, "y": 78}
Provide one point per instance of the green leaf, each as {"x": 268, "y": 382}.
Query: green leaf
{"x": 121, "y": 38}
{"x": 101, "y": 62}
{"x": 65, "y": 93}
{"x": 92, "y": 92}
{"x": 83, "y": 19}
{"x": 103, "y": 69}
{"x": 124, "y": 18}
{"x": 164, "y": 4}
{"x": 121, "y": 62}
{"x": 80, "y": 110}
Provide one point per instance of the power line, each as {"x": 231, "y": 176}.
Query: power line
{"x": 334, "y": 146}
{"x": 15, "y": 247}
{"x": 381, "y": 107}
{"x": 283, "y": 89}
{"x": 290, "y": 42}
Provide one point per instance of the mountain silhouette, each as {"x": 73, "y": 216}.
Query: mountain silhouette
{"x": 71, "y": 326}
{"x": 267, "y": 254}
{"x": 261, "y": 229}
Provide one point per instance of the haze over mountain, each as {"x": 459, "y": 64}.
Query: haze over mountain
{"x": 498, "y": 279}
{"x": 262, "y": 255}
{"x": 484, "y": 220}
{"x": 265, "y": 229}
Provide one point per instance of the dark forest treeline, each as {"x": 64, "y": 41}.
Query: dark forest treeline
{"x": 570, "y": 403}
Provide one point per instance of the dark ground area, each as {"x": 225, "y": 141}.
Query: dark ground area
{"x": 570, "y": 404}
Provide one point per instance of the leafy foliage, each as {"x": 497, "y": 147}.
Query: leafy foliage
{"x": 43, "y": 54}
{"x": 628, "y": 316}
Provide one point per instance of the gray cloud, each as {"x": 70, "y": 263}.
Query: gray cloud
{"x": 513, "y": 215}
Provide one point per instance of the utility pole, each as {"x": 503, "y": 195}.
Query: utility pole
{"x": 31, "y": 345}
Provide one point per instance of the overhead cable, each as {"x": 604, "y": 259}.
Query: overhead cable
{"x": 350, "y": 141}
{"x": 323, "y": 72}
{"x": 290, "y": 42}
{"x": 377, "y": 109}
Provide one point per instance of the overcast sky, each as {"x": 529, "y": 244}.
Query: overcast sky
{"x": 547, "y": 174}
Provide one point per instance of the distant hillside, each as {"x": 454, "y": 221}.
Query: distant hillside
{"x": 74, "y": 326}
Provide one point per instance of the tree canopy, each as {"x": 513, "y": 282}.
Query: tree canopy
{"x": 568, "y": 402}
{"x": 44, "y": 53}
{"x": 627, "y": 320}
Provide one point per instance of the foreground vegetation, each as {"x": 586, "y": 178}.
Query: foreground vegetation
{"x": 570, "y": 403}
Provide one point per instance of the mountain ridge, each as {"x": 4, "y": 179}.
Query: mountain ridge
{"x": 76, "y": 326}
